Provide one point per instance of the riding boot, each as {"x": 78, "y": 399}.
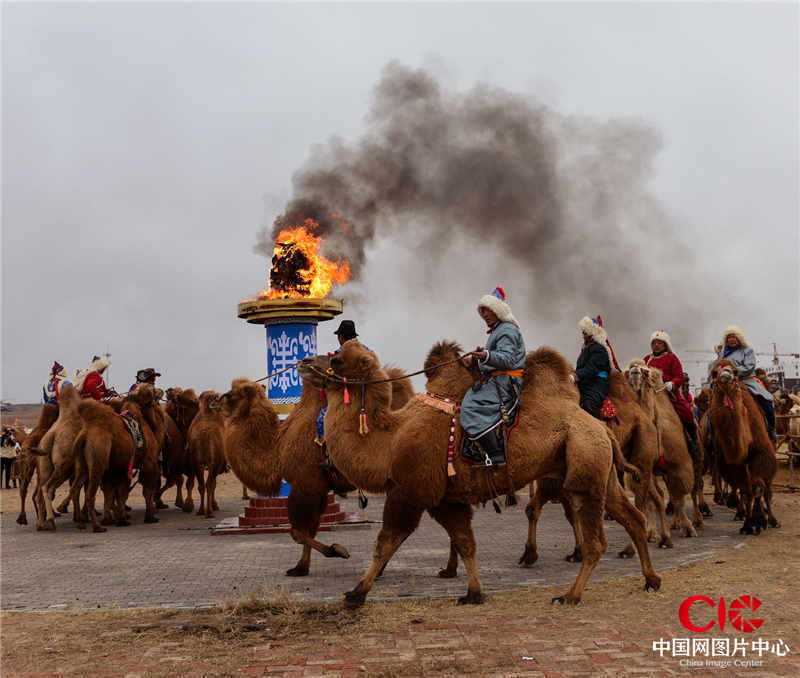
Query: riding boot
{"x": 488, "y": 449}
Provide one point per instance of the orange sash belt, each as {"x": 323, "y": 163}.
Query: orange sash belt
{"x": 510, "y": 373}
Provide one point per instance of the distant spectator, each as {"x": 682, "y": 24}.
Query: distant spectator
{"x": 8, "y": 452}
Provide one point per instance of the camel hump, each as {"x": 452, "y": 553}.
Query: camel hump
{"x": 546, "y": 358}
{"x": 402, "y": 389}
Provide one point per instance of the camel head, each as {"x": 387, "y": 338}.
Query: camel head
{"x": 353, "y": 362}
{"x": 243, "y": 394}
{"x": 724, "y": 374}
{"x": 783, "y": 404}
{"x": 209, "y": 402}
{"x": 144, "y": 396}
{"x": 638, "y": 375}
{"x": 173, "y": 392}
{"x": 449, "y": 374}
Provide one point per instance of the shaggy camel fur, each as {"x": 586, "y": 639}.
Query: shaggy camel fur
{"x": 787, "y": 404}
{"x": 261, "y": 451}
{"x": 181, "y": 408}
{"x": 400, "y": 456}
{"x": 744, "y": 452}
{"x": 55, "y": 456}
{"x": 27, "y": 460}
{"x": 104, "y": 450}
{"x": 636, "y": 435}
{"x": 206, "y": 458}
{"x": 674, "y": 463}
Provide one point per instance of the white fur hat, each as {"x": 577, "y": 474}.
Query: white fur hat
{"x": 596, "y": 332}
{"x": 735, "y": 331}
{"x": 97, "y": 366}
{"x": 661, "y": 335}
{"x": 496, "y": 303}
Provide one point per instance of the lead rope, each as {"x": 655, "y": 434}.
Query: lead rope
{"x": 363, "y": 429}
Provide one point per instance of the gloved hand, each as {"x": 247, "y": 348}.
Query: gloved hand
{"x": 669, "y": 385}
{"x": 572, "y": 377}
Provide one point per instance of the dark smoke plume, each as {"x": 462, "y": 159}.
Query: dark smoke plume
{"x": 563, "y": 199}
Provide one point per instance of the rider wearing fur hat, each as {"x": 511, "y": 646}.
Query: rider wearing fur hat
{"x": 593, "y": 366}
{"x": 54, "y": 384}
{"x": 739, "y": 353}
{"x": 501, "y": 363}
{"x": 662, "y": 358}
{"x": 89, "y": 382}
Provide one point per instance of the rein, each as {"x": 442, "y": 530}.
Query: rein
{"x": 330, "y": 375}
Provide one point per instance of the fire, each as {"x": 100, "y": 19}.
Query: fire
{"x": 298, "y": 270}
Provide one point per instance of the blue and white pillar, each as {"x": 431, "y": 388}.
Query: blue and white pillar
{"x": 287, "y": 343}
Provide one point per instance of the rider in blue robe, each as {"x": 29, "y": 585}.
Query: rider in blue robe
{"x": 501, "y": 364}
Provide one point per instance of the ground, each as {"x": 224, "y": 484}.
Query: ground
{"x": 277, "y": 632}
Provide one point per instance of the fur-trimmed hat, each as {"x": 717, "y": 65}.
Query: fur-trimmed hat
{"x": 596, "y": 332}
{"x": 98, "y": 365}
{"x": 496, "y": 303}
{"x": 661, "y": 335}
{"x": 735, "y": 331}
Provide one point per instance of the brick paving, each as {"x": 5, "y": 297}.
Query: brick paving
{"x": 177, "y": 563}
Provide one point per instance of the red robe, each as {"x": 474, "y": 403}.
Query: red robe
{"x": 672, "y": 370}
{"x": 94, "y": 387}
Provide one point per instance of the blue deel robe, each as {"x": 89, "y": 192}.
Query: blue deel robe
{"x": 744, "y": 359}
{"x": 480, "y": 410}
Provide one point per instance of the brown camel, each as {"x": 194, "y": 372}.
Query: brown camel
{"x": 399, "y": 455}
{"x": 674, "y": 463}
{"x": 27, "y": 460}
{"x": 206, "y": 456}
{"x": 637, "y": 437}
{"x": 104, "y": 451}
{"x": 262, "y": 451}
{"x": 181, "y": 408}
{"x": 744, "y": 452}
{"x": 55, "y": 456}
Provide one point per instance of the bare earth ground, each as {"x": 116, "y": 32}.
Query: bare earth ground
{"x": 515, "y": 633}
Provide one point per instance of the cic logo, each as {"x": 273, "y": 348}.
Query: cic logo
{"x": 738, "y": 614}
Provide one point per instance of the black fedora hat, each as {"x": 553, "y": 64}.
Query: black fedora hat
{"x": 347, "y": 330}
{"x": 146, "y": 374}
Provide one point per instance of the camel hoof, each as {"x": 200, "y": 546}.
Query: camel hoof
{"x": 670, "y": 508}
{"x": 22, "y": 520}
{"x": 666, "y": 543}
{"x": 732, "y": 501}
{"x": 565, "y": 600}
{"x": 215, "y": 506}
{"x": 150, "y": 519}
{"x": 98, "y": 529}
{"x": 772, "y": 522}
{"x": 179, "y": 503}
{"x": 354, "y": 598}
{"x": 337, "y": 551}
{"x": 123, "y": 522}
{"x": 739, "y": 516}
{"x": 705, "y": 510}
{"x": 188, "y": 506}
{"x": 57, "y": 513}
{"x": 161, "y": 505}
{"x": 297, "y": 571}
{"x": 48, "y": 526}
{"x": 688, "y": 532}
{"x": 746, "y": 528}
{"x": 529, "y": 556}
{"x": 472, "y": 598}
{"x": 447, "y": 573}
{"x": 627, "y": 552}
{"x": 652, "y": 583}
{"x": 719, "y": 499}
{"x": 574, "y": 557}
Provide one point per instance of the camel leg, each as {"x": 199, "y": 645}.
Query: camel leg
{"x": 772, "y": 521}
{"x": 657, "y": 501}
{"x": 451, "y": 569}
{"x": 25, "y": 481}
{"x": 95, "y": 477}
{"x": 159, "y": 501}
{"x": 179, "y": 490}
{"x": 641, "y": 494}
{"x": 48, "y": 494}
{"x": 188, "y": 503}
{"x": 457, "y": 520}
{"x": 588, "y": 515}
{"x": 627, "y": 515}
{"x": 211, "y": 484}
{"x": 545, "y": 490}
{"x": 305, "y": 511}
{"x": 201, "y": 490}
{"x": 244, "y": 492}
{"x": 400, "y": 519}
{"x": 149, "y": 481}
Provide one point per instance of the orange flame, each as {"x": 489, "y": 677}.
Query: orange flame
{"x": 320, "y": 275}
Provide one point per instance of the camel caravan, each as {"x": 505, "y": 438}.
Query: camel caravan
{"x": 490, "y": 422}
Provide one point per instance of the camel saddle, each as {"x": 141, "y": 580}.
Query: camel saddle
{"x": 134, "y": 428}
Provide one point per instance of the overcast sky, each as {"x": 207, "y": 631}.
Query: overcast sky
{"x": 145, "y": 145}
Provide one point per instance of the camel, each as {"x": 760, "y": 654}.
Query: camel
{"x": 105, "y": 450}
{"x": 56, "y": 458}
{"x": 27, "y": 460}
{"x": 744, "y": 452}
{"x": 262, "y": 451}
{"x": 181, "y": 408}
{"x": 674, "y": 463}
{"x": 787, "y": 404}
{"x": 637, "y": 437}
{"x": 553, "y": 437}
{"x": 206, "y": 456}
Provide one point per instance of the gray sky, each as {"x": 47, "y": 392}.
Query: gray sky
{"x": 145, "y": 145}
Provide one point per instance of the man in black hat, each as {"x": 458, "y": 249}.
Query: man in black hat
{"x": 146, "y": 376}
{"x": 346, "y": 331}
